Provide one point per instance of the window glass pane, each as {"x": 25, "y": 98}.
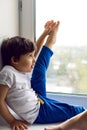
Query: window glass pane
{"x": 67, "y": 72}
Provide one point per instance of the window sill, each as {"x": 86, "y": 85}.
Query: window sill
{"x": 69, "y": 98}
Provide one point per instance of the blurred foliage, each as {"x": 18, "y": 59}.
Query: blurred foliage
{"x": 70, "y": 63}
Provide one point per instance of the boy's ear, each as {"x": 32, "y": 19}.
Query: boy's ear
{"x": 14, "y": 60}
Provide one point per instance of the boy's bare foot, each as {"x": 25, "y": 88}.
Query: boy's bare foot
{"x": 53, "y": 34}
{"x": 53, "y": 128}
{"x": 78, "y": 122}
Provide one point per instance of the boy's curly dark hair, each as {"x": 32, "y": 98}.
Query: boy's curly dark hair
{"x": 15, "y": 46}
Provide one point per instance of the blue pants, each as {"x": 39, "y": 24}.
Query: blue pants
{"x": 51, "y": 111}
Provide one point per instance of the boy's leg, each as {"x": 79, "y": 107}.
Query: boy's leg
{"x": 78, "y": 122}
{"x": 38, "y": 80}
{"x": 53, "y": 111}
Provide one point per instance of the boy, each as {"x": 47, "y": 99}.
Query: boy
{"x": 25, "y": 94}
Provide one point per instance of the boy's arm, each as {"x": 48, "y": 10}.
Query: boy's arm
{"x": 5, "y": 113}
{"x": 39, "y": 43}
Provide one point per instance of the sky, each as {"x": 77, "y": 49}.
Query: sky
{"x": 72, "y": 16}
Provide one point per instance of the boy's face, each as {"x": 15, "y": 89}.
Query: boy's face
{"x": 25, "y": 63}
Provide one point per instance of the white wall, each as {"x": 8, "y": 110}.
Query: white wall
{"x": 14, "y": 22}
{"x": 9, "y": 21}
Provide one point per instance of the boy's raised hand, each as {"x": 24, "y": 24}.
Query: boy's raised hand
{"x": 51, "y": 26}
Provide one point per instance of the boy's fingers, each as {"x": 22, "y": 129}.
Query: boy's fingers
{"x": 51, "y": 24}
{"x": 48, "y": 23}
{"x": 58, "y": 22}
{"x": 56, "y": 25}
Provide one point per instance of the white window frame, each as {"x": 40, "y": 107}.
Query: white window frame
{"x": 27, "y": 29}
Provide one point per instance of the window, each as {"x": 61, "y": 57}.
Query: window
{"x": 67, "y": 72}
